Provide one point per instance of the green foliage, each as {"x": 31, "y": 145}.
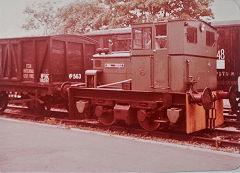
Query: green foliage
{"x": 83, "y": 16}
{"x": 80, "y": 17}
{"x": 153, "y": 10}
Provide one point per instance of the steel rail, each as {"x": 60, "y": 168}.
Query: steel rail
{"x": 205, "y": 136}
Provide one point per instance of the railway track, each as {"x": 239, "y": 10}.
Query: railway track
{"x": 223, "y": 137}
{"x": 230, "y": 119}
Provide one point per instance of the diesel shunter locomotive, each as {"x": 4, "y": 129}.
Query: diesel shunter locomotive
{"x": 167, "y": 79}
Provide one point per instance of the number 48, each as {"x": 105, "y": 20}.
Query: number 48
{"x": 221, "y": 54}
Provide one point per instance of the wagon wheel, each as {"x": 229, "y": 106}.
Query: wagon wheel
{"x": 105, "y": 115}
{"x": 36, "y": 107}
{"x": 233, "y": 98}
{"x": 146, "y": 121}
{"x": 3, "y": 101}
{"x": 48, "y": 102}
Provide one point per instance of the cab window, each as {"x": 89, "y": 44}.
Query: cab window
{"x": 161, "y": 37}
{"x": 192, "y": 34}
{"x": 142, "y": 38}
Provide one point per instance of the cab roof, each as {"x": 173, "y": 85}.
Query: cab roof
{"x": 175, "y": 20}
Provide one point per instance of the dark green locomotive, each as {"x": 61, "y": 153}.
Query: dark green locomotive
{"x": 167, "y": 78}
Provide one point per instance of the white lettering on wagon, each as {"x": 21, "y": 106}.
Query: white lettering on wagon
{"x": 221, "y": 60}
{"x": 75, "y": 76}
{"x": 28, "y": 72}
{"x": 44, "y": 78}
{"x": 114, "y": 65}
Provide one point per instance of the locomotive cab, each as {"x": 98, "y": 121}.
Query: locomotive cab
{"x": 169, "y": 55}
{"x": 179, "y": 57}
{"x": 150, "y": 56}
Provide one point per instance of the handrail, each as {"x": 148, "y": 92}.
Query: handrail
{"x": 115, "y": 83}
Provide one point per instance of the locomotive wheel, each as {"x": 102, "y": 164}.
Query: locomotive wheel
{"x": 48, "y": 102}
{"x": 3, "y": 101}
{"x": 106, "y": 117}
{"x": 147, "y": 122}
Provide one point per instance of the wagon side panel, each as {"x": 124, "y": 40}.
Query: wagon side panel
{"x": 75, "y": 62}
{"x": 10, "y": 60}
{"x": 58, "y": 60}
{"x": 42, "y": 60}
{"x": 28, "y": 58}
{"x": 35, "y": 59}
{"x": 229, "y": 52}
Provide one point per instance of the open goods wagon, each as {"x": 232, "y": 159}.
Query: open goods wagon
{"x": 35, "y": 70}
{"x": 228, "y": 53}
{"x": 228, "y": 62}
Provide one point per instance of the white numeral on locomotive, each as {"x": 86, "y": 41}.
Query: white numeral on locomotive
{"x": 221, "y": 54}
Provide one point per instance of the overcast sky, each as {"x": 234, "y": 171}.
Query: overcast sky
{"x": 12, "y": 17}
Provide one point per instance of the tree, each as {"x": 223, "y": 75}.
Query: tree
{"x": 80, "y": 17}
{"x": 83, "y": 16}
{"x": 40, "y": 16}
{"x": 129, "y": 11}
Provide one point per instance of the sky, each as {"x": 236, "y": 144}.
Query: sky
{"x": 12, "y": 17}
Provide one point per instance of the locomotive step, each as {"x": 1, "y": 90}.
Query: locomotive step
{"x": 161, "y": 121}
